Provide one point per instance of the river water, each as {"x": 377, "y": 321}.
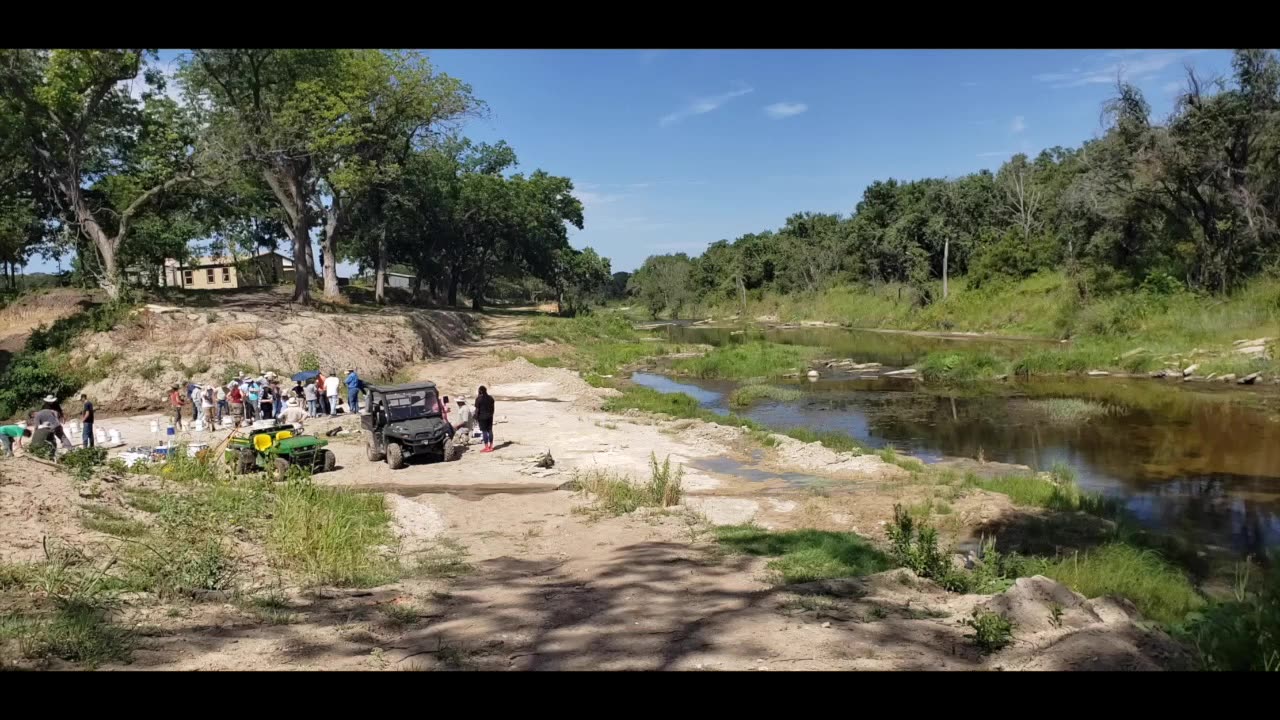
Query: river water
{"x": 1193, "y": 460}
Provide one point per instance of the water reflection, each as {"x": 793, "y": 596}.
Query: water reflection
{"x": 1189, "y": 461}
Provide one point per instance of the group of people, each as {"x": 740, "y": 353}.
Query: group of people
{"x": 47, "y": 424}
{"x": 465, "y": 419}
{"x": 248, "y": 399}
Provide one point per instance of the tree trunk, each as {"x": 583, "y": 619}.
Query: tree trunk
{"x": 946, "y": 255}
{"x": 453, "y": 288}
{"x": 334, "y": 218}
{"x": 417, "y": 286}
{"x": 380, "y": 278}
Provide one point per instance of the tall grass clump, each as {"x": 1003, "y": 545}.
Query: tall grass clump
{"x": 1069, "y": 411}
{"x": 747, "y": 360}
{"x": 830, "y": 439}
{"x": 960, "y": 367}
{"x": 747, "y": 395}
{"x": 1059, "y": 493}
{"x": 805, "y": 555}
{"x": 1160, "y": 591}
{"x": 331, "y": 537}
{"x": 616, "y": 494}
{"x": 592, "y": 328}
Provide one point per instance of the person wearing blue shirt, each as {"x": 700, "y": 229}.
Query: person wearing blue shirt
{"x": 353, "y": 392}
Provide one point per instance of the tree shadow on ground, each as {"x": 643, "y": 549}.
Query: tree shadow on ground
{"x": 650, "y": 605}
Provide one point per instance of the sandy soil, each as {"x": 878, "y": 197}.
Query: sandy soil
{"x": 556, "y": 588}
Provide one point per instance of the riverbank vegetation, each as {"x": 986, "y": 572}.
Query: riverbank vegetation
{"x": 1162, "y": 233}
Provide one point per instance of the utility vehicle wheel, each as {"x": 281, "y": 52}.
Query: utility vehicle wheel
{"x": 329, "y": 461}
{"x": 452, "y": 452}
{"x": 281, "y": 468}
{"x": 246, "y": 462}
{"x": 372, "y": 453}
{"x": 395, "y": 456}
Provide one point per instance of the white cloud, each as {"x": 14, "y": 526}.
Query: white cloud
{"x": 780, "y": 110}
{"x": 701, "y": 106}
{"x": 592, "y": 199}
{"x": 1018, "y": 125}
{"x": 1134, "y": 65}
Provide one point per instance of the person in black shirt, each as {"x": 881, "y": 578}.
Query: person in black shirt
{"x": 86, "y": 421}
{"x": 484, "y": 417}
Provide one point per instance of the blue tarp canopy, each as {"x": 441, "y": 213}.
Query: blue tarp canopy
{"x": 305, "y": 375}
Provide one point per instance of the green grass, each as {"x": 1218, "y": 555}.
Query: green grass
{"x": 1069, "y": 411}
{"x": 747, "y": 360}
{"x": 892, "y": 457}
{"x": 747, "y": 395}
{"x": 1160, "y": 591}
{"x": 447, "y": 559}
{"x": 111, "y": 522}
{"x": 75, "y": 632}
{"x": 581, "y": 329}
{"x": 1062, "y": 494}
{"x": 617, "y": 494}
{"x": 805, "y": 555}
{"x": 331, "y": 537}
{"x": 831, "y": 439}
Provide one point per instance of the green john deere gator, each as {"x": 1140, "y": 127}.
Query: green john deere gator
{"x": 275, "y": 449}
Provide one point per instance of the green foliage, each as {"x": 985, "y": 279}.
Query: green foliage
{"x": 913, "y": 544}
{"x": 1241, "y": 634}
{"x": 992, "y": 632}
{"x": 748, "y": 360}
{"x": 805, "y": 555}
{"x": 831, "y": 439}
{"x": 81, "y": 461}
{"x": 307, "y": 360}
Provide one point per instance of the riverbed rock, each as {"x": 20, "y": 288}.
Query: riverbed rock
{"x": 904, "y": 372}
{"x": 813, "y": 374}
{"x": 1190, "y": 369}
{"x": 1229, "y": 377}
{"x": 1159, "y": 373}
{"x": 1249, "y": 379}
{"x": 1097, "y": 373}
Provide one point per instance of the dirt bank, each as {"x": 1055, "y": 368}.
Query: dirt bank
{"x": 161, "y": 345}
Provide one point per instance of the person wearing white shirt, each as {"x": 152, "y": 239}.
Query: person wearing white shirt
{"x": 331, "y": 384}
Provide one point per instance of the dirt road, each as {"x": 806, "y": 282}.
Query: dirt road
{"x": 551, "y": 587}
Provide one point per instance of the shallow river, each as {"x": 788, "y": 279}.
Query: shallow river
{"x": 1192, "y": 460}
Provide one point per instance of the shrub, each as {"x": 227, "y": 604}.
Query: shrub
{"x": 992, "y": 632}
{"x": 81, "y": 461}
{"x": 307, "y": 360}
{"x": 1244, "y": 633}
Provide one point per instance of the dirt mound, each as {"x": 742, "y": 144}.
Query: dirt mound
{"x": 159, "y": 346}
{"x": 1058, "y": 629}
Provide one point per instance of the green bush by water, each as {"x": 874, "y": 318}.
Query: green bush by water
{"x": 747, "y": 395}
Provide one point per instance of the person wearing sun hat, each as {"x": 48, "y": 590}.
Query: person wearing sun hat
{"x": 51, "y": 413}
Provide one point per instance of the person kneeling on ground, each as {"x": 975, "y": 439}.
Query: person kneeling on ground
{"x": 51, "y": 414}
{"x": 465, "y": 423}
{"x": 42, "y": 436}
{"x": 293, "y": 413}
{"x": 484, "y": 416}
{"x": 11, "y": 433}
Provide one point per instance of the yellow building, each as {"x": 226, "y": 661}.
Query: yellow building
{"x": 223, "y": 273}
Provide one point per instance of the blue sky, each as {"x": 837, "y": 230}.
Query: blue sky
{"x": 672, "y": 150}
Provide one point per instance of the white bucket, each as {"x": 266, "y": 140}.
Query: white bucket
{"x": 115, "y": 436}
{"x": 194, "y": 448}
{"x": 228, "y": 421}
{"x": 99, "y": 437}
{"x": 155, "y": 427}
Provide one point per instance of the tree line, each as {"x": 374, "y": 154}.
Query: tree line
{"x": 359, "y": 150}
{"x": 1191, "y": 202}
